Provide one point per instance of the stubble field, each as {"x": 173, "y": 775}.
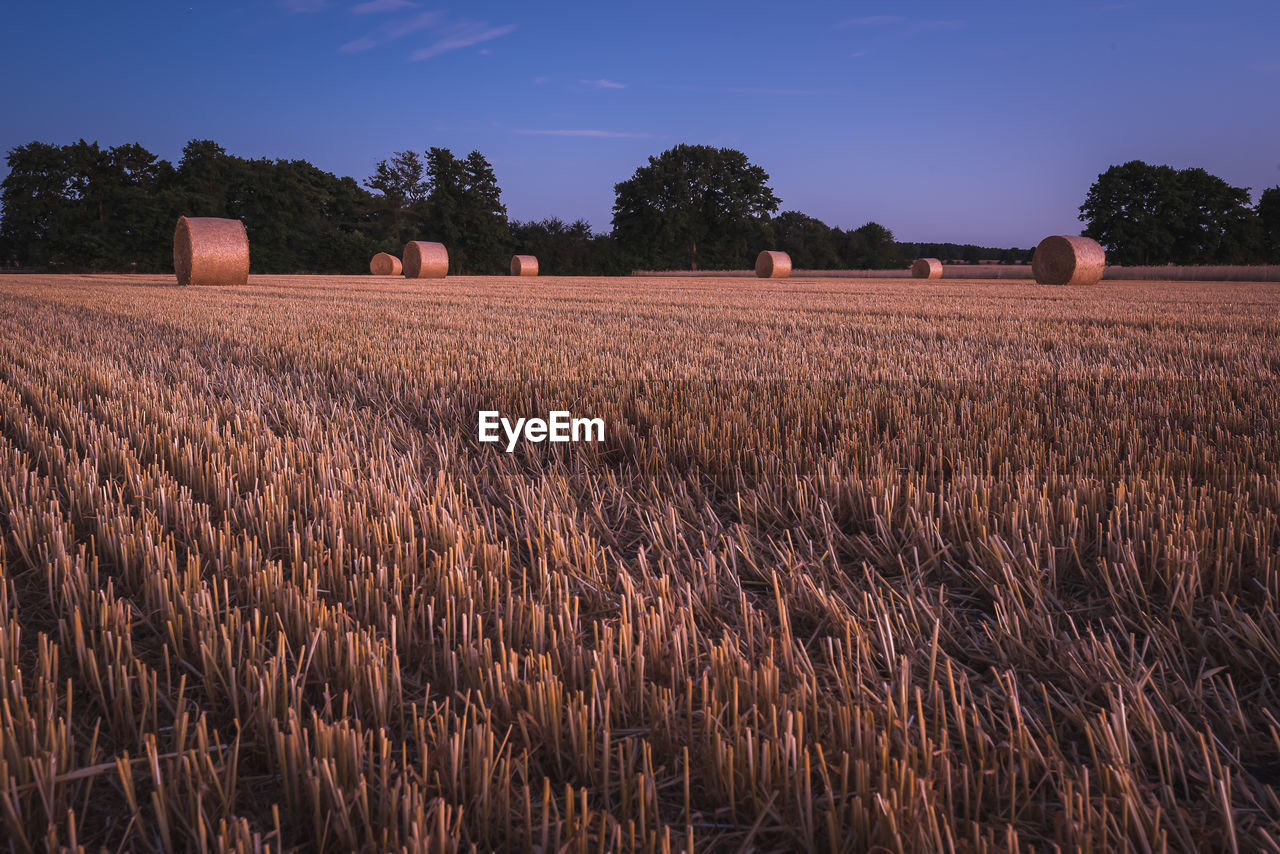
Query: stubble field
{"x": 924, "y": 566}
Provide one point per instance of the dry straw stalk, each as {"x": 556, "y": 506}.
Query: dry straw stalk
{"x": 773, "y": 265}
{"x": 524, "y": 265}
{"x": 210, "y": 251}
{"x": 1068, "y": 260}
{"x": 926, "y": 268}
{"x": 857, "y": 568}
{"x": 385, "y": 264}
{"x": 425, "y": 260}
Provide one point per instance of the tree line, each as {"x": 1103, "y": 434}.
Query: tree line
{"x": 81, "y": 206}
{"x": 1144, "y": 214}
{"x": 85, "y": 207}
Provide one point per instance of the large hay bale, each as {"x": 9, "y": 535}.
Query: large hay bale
{"x": 773, "y": 265}
{"x": 425, "y": 260}
{"x": 524, "y": 265}
{"x": 385, "y": 264}
{"x": 1064, "y": 260}
{"x": 926, "y": 268}
{"x": 210, "y": 251}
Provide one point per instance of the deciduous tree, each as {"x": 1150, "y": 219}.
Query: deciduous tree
{"x": 1144, "y": 214}
{"x": 464, "y": 211}
{"x": 694, "y": 206}
{"x": 402, "y": 183}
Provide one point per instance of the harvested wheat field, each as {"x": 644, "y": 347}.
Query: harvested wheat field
{"x": 907, "y": 565}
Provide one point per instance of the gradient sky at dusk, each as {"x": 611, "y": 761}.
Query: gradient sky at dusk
{"x": 980, "y": 122}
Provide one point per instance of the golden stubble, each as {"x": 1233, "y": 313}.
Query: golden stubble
{"x": 917, "y": 565}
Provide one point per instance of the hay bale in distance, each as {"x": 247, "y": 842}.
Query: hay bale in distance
{"x": 926, "y": 268}
{"x": 385, "y": 264}
{"x": 773, "y": 265}
{"x": 425, "y": 260}
{"x": 524, "y": 265}
{"x": 1065, "y": 260}
{"x": 210, "y": 251}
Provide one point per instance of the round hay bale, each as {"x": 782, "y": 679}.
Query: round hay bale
{"x": 425, "y": 260}
{"x": 926, "y": 268}
{"x": 210, "y": 251}
{"x": 1063, "y": 260}
{"x": 385, "y": 264}
{"x": 524, "y": 265}
{"x": 773, "y": 265}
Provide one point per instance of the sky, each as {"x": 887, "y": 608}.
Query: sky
{"x": 980, "y": 122}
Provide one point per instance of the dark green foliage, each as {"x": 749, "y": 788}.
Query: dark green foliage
{"x": 208, "y": 179}
{"x": 813, "y": 245}
{"x": 694, "y": 206}
{"x": 1269, "y": 225}
{"x": 871, "y": 247}
{"x": 810, "y": 242}
{"x": 564, "y": 250}
{"x": 36, "y": 197}
{"x": 963, "y": 252}
{"x": 464, "y": 211}
{"x": 79, "y": 206}
{"x": 299, "y": 218}
{"x": 402, "y": 183}
{"x": 1144, "y": 214}
{"x": 82, "y": 207}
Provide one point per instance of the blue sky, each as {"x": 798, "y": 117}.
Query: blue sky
{"x": 979, "y": 122}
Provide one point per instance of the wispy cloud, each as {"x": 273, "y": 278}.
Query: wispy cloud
{"x": 1265, "y": 67}
{"x": 600, "y": 134}
{"x": 872, "y": 21}
{"x": 900, "y": 25}
{"x": 750, "y": 90}
{"x": 465, "y": 34}
{"x": 391, "y": 31}
{"x": 603, "y": 84}
{"x": 375, "y": 6}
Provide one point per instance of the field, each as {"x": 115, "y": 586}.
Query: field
{"x": 1200, "y": 274}
{"x": 860, "y": 564}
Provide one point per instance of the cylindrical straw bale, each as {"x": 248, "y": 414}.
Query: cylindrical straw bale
{"x": 926, "y": 268}
{"x": 210, "y": 251}
{"x": 385, "y": 264}
{"x": 1063, "y": 260}
{"x": 425, "y": 260}
{"x": 524, "y": 265}
{"x": 773, "y": 265}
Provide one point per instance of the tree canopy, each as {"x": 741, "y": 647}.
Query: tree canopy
{"x": 694, "y": 206}
{"x": 1269, "y": 224}
{"x": 81, "y": 205}
{"x": 565, "y": 249}
{"x": 85, "y": 207}
{"x": 1144, "y": 214}
{"x": 464, "y": 211}
{"x": 402, "y": 183}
